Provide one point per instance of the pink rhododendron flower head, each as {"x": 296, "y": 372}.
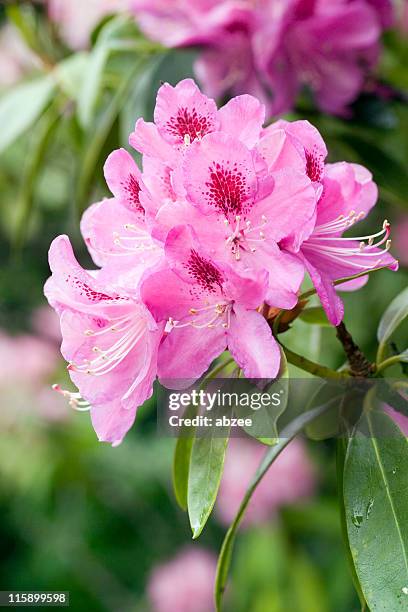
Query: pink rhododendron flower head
{"x": 223, "y": 219}
{"x": 291, "y": 478}
{"x": 185, "y": 583}
{"x": 110, "y": 341}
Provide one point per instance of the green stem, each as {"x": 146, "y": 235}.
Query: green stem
{"x": 313, "y": 368}
{"x": 389, "y": 362}
{"x": 381, "y": 353}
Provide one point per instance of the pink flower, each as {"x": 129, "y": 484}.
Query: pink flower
{"x": 185, "y": 583}
{"x": 273, "y": 48}
{"x": 242, "y": 190}
{"x": 110, "y": 341}
{"x": 115, "y": 230}
{"x": 78, "y": 19}
{"x": 225, "y": 217}
{"x": 348, "y": 195}
{"x": 209, "y": 307}
{"x": 291, "y": 478}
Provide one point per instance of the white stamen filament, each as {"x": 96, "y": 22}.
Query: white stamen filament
{"x": 74, "y": 399}
{"x": 108, "y": 359}
{"x": 210, "y": 316}
{"x": 241, "y": 238}
{"x": 319, "y": 242}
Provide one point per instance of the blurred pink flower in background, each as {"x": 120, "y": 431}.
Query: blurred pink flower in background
{"x": 16, "y": 59}
{"x": 271, "y": 48}
{"x": 45, "y": 322}
{"x": 27, "y": 362}
{"x": 25, "y": 359}
{"x": 291, "y": 478}
{"x": 77, "y": 19}
{"x": 184, "y": 584}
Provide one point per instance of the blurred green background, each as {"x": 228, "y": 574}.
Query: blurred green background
{"x": 77, "y": 515}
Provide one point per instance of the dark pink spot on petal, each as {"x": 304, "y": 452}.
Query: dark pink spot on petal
{"x": 314, "y": 165}
{"x": 85, "y": 291}
{"x": 227, "y": 190}
{"x": 131, "y": 188}
{"x": 191, "y": 124}
{"x": 207, "y": 276}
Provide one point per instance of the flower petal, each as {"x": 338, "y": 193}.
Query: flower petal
{"x": 243, "y": 118}
{"x": 252, "y": 345}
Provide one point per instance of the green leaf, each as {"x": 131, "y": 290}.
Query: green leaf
{"x": 98, "y": 137}
{"x": 181, "y": 461}
{"x": 38, "y": 150}
{"x": 393, "y": 316}
{"x": 206, "y": 467}
{"x": 91, "y": 85}
{"x": 70, "y": 74}
{"x": 315, "y": 316}
{"x": 224, "y": 559}
{"x": 376, "y": 507}
{"x": 21, "y": 107}
{"x": 184, "y": 444}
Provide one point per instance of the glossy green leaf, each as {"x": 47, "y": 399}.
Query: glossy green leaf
{"x": 181, "y": 460}
{"x": 21, "y": 107}
{"x": 376, "y": 509}
{"x": 393, "y": 316}
{"x": 92, "y": 81}
{"x": 315, "y": 316}
{"x": 206, "y": 467}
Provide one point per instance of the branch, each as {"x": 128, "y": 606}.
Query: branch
{"x": 359, "y": 364}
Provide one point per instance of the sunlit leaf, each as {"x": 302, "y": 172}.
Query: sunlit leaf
{"x": 396, "y": 312}
{"x": 21, "y": 107}
{"x": 206, "y": 467}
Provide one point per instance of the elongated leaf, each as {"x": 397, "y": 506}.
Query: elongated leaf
{"x": 98, "y": 138}
{"x": 206, "y": 467}
{"x": 393, "y": 316}
{"x": 181, "y": 461}
{"x": 224, "y": 559}
{"x": 21, "y": 107}
{"x": 315, "y": 316}
{"x": 38, "y": 150}
{"x": 70, "y": 74}
{"x": 376, "y": 507}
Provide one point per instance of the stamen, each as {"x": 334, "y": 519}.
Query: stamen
{"x": 74, "y": 399}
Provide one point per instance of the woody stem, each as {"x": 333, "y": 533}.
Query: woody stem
{"x": 359, "y": 364}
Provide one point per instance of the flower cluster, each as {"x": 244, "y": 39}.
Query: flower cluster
{"x": 226, "y": 217}
{"x": 271, "y": 48}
